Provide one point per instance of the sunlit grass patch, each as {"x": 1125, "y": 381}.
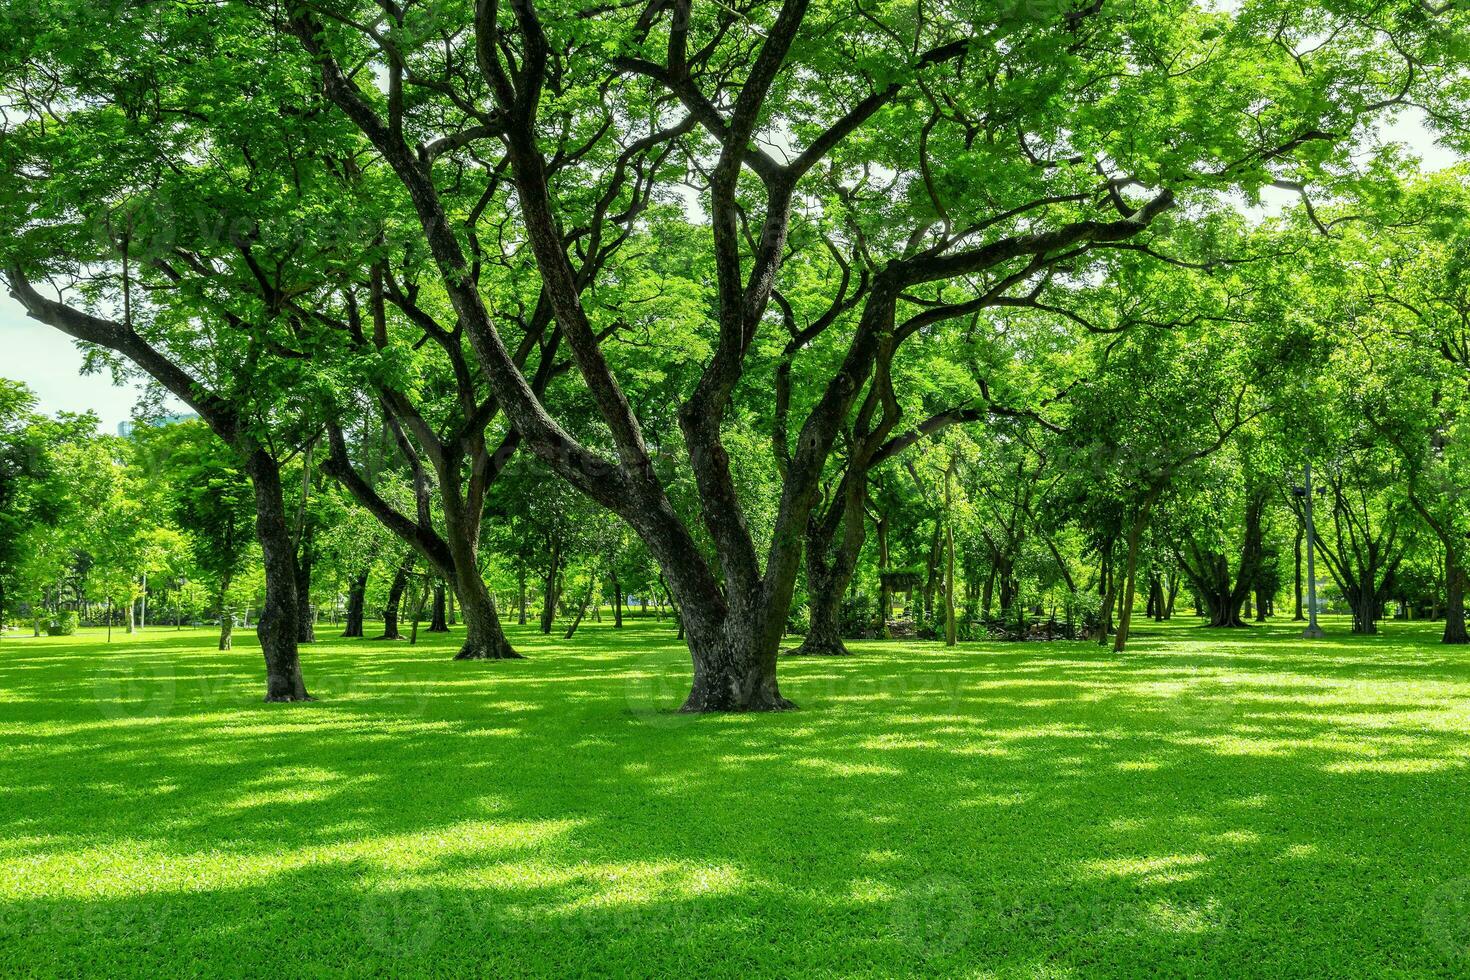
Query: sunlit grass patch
{"x": 1211, "y": 803}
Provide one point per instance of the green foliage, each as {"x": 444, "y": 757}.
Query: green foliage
{"x": 858, "y": 615}
{"x": 63, "y": 623}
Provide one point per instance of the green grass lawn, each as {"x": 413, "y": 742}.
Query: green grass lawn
{"x": 1218, "y": 804}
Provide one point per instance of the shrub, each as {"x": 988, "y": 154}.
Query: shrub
{"x": 63, "y": 623}
{"x": 859, "y": 614}
{"x": 797, "y": 620}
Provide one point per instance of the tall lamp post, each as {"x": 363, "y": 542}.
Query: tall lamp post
{"x": 1313, "y": 631}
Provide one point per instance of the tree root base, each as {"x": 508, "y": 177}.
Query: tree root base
{"x": 818, "y": 650}
{"x": 482, "y": 653}
{"x": 703, "y": 703}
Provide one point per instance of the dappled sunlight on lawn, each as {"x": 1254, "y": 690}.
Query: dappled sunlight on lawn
{"x": 1209, "y": 802}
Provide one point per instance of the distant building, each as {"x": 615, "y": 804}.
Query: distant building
{"x": 125, "y": 429}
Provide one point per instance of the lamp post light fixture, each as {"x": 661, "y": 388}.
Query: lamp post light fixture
{"x": 1313, "y": 631}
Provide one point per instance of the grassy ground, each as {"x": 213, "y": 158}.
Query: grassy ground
{"x": 1219, "y": 804}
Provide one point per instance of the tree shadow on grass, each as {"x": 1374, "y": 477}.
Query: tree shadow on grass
{"x": 1240, "y": 806}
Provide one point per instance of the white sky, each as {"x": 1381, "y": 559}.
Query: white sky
{"x": 51, "y": 364}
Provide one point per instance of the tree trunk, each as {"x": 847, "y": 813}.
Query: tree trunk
{"x": 971, "y": 610}
{"x": 356, "y": 601}
{"x": 824, "y": 601}
{"x": 617, "y": 596}
{"x": 276, "y": 626}
{"x": 226, "y": 620}
{"x": 1367, "y": 607}
{"x": 885, "y": 591}
{"x": 581, "y": 610}
{"x": 552, "y": 591}
{"x": 951, "y": 632}
{"x": 484, "y": 638}
{"x": 1107, "y": 582}
{"x": 305, "y": 552}
{"x": 1222, "y": 608}
{"x": 1125, "y": 611}
{"x": 439, "y": 618}
{"x": 735, "y": 667}
{"x": 1300, "y": 614}
{"x": 931, "y": 576}
{"x": 521, "y": 595}
{"x": 834, "y": 543}
{"x": 824, "y": 626}
{"x": 1454, "y": 619}
{"x": 305, "y": 616}
{"x": 395, "y": 600}
{"x": 418, "y": 599}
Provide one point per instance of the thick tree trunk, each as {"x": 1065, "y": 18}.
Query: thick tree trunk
{"x": 834, "y": 543}
{"x": 1367, "y": 608}
{"x": 735, "y": 667}
{"x": 1454, "y": 619}
{"x": 1222, "y": 605}
{"x": 276, "y": 625}
{"x": 824, "y": 628}
{"x": 1005, "y": 575}
{"x": 356, "y": 603}
{"x": 824, "y": 600}
{"x": 484, "y": 638}
{"x": 439, "y": 617}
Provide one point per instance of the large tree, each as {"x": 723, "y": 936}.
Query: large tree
{"x": 964, "y": 154}
{"x": 961, "y": 154}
